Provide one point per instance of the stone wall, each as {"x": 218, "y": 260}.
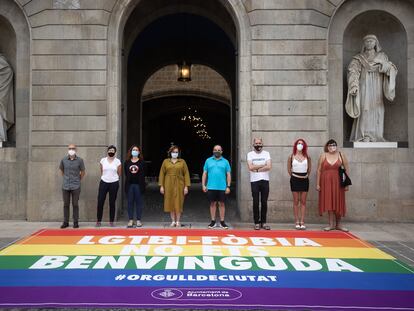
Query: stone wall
{"x": 290, "y": 85}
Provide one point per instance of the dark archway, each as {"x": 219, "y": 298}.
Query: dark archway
{"x": 192, "y": 34}
{"x": 167, "y": 121}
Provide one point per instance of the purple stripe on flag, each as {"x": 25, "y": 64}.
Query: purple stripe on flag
{"x": 218, "y": 298}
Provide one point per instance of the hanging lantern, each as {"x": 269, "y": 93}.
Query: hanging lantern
{"x": 184, "y": 72}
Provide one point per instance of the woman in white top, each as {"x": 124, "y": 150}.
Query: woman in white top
{"x": 111, "y": 171}
{"x": 299, "y": 168}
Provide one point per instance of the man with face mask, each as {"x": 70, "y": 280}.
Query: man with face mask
{"x": 216, "y": 181}
{"x": 259, "y": 164}
{"x": 72, "y": 169}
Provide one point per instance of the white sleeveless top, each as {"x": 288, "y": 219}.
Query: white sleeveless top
{"x": 299, "y": 167}
{"x": 110, "y": 170}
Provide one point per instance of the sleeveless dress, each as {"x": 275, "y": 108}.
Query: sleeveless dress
{"x": 332, "y": 195}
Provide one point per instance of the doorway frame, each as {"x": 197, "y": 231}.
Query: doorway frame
{"x": 116, "y": 101}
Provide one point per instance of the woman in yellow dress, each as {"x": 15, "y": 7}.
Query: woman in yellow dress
{"x": 174, "y": 180}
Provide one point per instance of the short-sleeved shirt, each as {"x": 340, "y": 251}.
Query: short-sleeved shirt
{"x": 71, "y": 169}
{"x": 258, "y": 159}
{"x": 110, "y": 170}
{"x": 216, "y": 170}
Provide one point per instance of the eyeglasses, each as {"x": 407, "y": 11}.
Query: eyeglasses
{"x": 332, "y": 145}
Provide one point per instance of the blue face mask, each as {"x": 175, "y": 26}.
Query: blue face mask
{"x": 135, "y": 153}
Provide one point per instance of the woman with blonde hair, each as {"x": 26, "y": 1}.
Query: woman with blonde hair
{"x": 174, "y": 180}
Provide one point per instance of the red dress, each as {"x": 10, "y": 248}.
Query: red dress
{"x": 331, "y": 195}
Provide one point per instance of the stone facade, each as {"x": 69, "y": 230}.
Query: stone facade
{"x": 290, "y": 70}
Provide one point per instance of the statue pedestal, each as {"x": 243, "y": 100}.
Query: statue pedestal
{"x": 386, "y": 144}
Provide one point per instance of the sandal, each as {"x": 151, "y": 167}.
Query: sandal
{"x": 178, "y": 224}
{"x": 328, "y": 229}
{"x": 266, "y": 227}
{"x": 302, "y": 226}
{"x": 257, "y": 227}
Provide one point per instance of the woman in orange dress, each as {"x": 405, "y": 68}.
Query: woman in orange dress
{"x": 331, "y": 194}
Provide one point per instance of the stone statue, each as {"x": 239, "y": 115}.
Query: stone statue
{"x": 370, "y": 77}
{"x": 6, "y": 98}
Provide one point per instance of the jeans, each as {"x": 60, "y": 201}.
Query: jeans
{"x": 134, "y": 196}
{"x": 260, "y": 188}
{"x": 104, "y": 188}
{"x": 66, "y": 202}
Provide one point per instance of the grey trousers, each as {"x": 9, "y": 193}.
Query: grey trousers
{"x": 66, "y": 202}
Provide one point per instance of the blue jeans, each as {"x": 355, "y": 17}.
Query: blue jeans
{"x": 134, "y": 196}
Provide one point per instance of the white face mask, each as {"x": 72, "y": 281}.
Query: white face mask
{"x": 174, "y": 155}
{"x": 299, "y": 147}
{"x": 71, "y": 152}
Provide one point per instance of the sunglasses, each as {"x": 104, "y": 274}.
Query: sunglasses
{"x": 332, "y": 145}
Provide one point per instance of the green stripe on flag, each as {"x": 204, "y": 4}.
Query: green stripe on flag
{"x": 256, "y": 263}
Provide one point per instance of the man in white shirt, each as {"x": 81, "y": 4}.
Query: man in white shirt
{"x": 259, "y": 164}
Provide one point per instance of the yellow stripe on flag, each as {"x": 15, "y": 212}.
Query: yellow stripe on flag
{"x": 194, "y": 250}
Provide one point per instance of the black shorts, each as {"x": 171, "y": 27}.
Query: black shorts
{"x": 216, "y": 196}
{"x": 299, "y": 184}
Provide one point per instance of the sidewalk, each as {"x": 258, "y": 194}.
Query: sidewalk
{"x": 396, "y": 239}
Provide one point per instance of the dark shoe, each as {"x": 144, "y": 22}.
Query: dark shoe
{"x": 98, "y": 224}
{"x": 75, "y": 225}
{"x": 212, "y": 224}
{"x": 223, "y": 225}
{"x": 64, "y": 225}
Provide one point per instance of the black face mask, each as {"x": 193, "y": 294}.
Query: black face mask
{"x": 111, "y": 154}
{"x": 258, "y": 147}
{"x": 217, "y": 154}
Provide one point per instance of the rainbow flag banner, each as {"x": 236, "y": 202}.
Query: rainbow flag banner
{"x": 214, "y": 269}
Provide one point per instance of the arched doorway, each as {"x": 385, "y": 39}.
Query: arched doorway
{"x": 128, "y": 20}
{"x": 188, "y": 35}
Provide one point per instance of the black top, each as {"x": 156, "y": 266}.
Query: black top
{"x": 135, "y": 174}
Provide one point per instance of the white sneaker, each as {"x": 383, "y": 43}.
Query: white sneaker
{"x": 173, "y": 224}
{"x": 130, "y": 224}
{"x": 139, "y": 223}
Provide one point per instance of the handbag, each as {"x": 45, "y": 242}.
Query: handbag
{"x": 344, "y": 179}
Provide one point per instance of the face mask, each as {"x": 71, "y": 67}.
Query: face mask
{"x": 111, "y": 154}
{"x": 174, "y": 155}
{"x": 135, "y": 153}
{"x": 217, "y": 154}
{"x": 258, "y": 147}
{"x": 299, "y": 147}
{"x": 71, "y": 152}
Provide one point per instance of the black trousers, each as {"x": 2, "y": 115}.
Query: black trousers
{"x": 260, "y": 189}
{"x": 104, "y": 188}
{"x": 66, "y": 194}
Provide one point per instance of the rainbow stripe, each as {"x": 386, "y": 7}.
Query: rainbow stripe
{"x": 202, "y": 269}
